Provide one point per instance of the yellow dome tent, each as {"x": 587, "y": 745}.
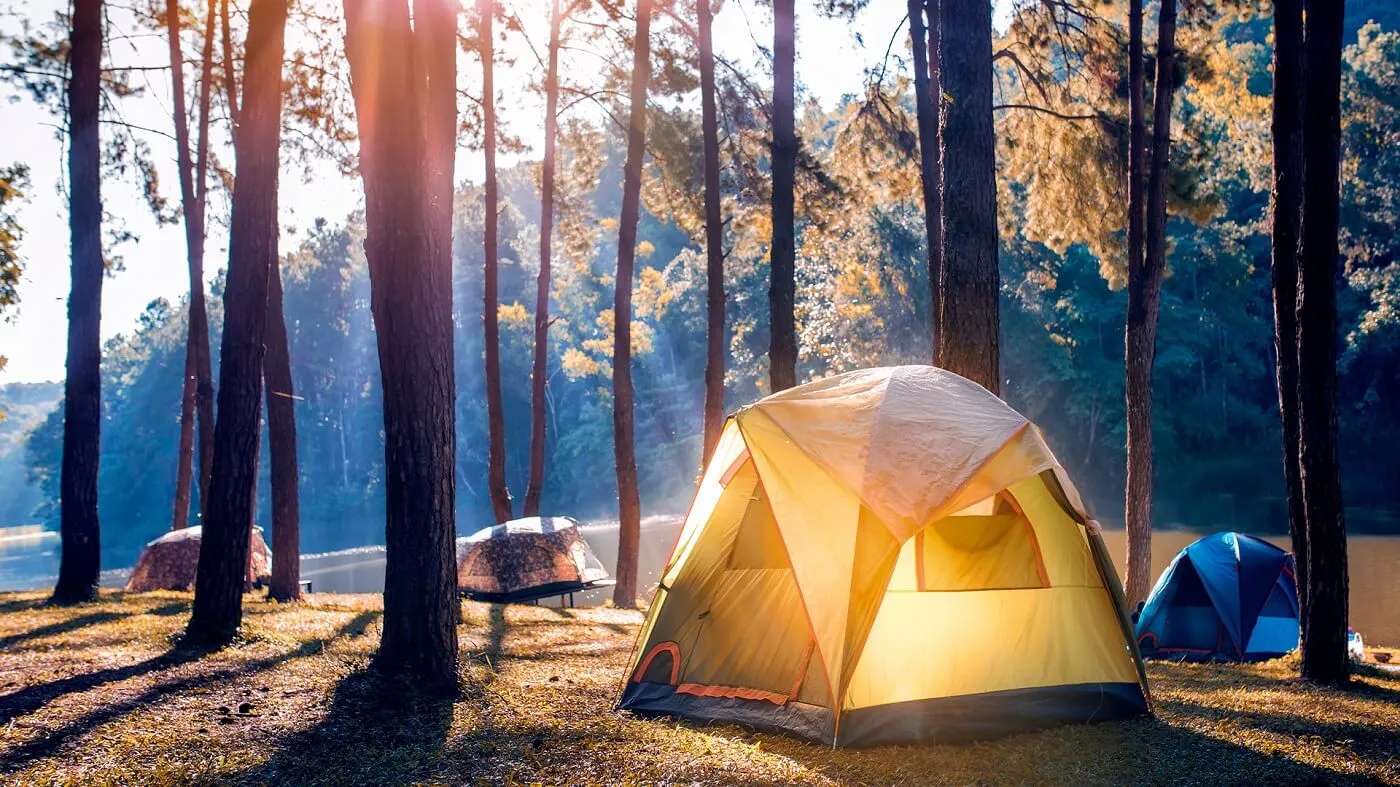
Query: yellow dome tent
{"x": 889, "y": 555}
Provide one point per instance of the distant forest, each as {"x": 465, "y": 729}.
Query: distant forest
{"x": 862, "y": 301}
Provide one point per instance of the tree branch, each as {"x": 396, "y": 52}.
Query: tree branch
{"x": 1048, "y": 111}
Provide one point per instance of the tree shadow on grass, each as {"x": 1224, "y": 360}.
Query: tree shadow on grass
{"x": 1389, "y": 692}
{"x": 496, "y": 628}
{"x": 1174, "y": 753}
{"x": 22, "y": 604}
{"x": 64, "y": 626}
{"x": 34, "y": 697}
{"x": 378, "y": 730}
{"x": 168, "y": 610}
{"x": 1146, "y": 751}
{"x": 69, "y": 625}
{"x": 1370, "y": 741}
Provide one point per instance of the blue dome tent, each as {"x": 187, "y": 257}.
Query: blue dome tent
{"x": 1226, "y": 597}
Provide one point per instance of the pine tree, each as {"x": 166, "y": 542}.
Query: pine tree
{"x": 714, "y": 233}
{"x": 82, "y": 404}
{"x": 624, "y": 433}
{"x": 1286, "y": 220}
{"x": 925, "y": 43}
{"x": 782, "y": 349}
{"x": 495, "y": 408}
{"x": 196, "y": 400}
{"x": 1324, "y": 635}
{"x": 403, "y": 76}
{"x": 253, "y": 237}
{"x": 282, "y": 449}
{"x": 539, "y": 371}
{"x": 968, "y": 339}
{"x": 1144, "y": 302}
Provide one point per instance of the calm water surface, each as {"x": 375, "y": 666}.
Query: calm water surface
{"x": 1374, "y": 567}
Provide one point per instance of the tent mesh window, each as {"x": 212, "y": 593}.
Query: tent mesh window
{"x": 987, "y": 546}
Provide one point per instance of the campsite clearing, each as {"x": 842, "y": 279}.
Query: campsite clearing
{"x": 100, "y": 694}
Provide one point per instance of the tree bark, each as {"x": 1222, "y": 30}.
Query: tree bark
{"x": 1286, "y": 222}
{"x": 404, "y": 85}
{"x": 230, "y": 70}
{"x": 495, "y": 408}
{"x": 282, "y": 447}
{"x": 184, "y": 462}
{"x": 253, "y": 236}
{"x": 199, "y": 310}
{"x": 1137, "y": 126}
{"x": 1144, "y": 302}
{"x": 197, "y": 397}
{"x": 539, "y": 372}
{"x": 82, "y": 404}
{"x": 782, "y": 348}
{"x": 253, "y": 495}
{"x": 928, "y": 100}
{"x": 629, "y": 507}
{"x": 714, "y": 235}
{"x": 969, "y": 340}
{"x": 1324, "y": 639}
{"x": 1138, "y": 542}
{"x": 184, "y": 459}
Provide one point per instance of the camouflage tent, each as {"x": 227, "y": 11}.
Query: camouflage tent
{"x": 526, "y": 559}
{"x": 170, "y": 562}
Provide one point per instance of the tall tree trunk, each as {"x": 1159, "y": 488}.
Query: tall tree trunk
{"x": 253, "y": 236}
{"x": 82, "y": 403}
{"x": 404, "y": 84}
{"x": 253, "y": 496}
{"x": 196, "y": 396}
{"x": 282, "y": 447}
{"x": 495, "y": 408}
{"x": 230, "y": 69}
{"x": 184, "y": 459}
{"x": 199, "y": 310}
{"x": 539, "y": 372}
{"x": 1324, "y": 641}
{"x": 928, "y": 100}
{"x": 938, "y": 268}
{"x": 782, "y": 348}
{"x": 629, "y": 506}
{"x": 1139, "y": 530}
{"x": 714, "y": 234}
{"x": 184, "y": 463}
{"x": 1144, "y": 301}
{"x": 969, "y": 339}
{"x": 1137, "y": 132}
{"x": 1286, "y": 220}
{"x": 199, "y": 342}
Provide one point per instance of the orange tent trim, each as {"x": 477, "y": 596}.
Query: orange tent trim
{"x": 734, "y": 692}
{"x": 661, "y": 647}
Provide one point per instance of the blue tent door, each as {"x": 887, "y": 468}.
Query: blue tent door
{"x": 1276, "y": 629}
{"x": 1190, "y": 622}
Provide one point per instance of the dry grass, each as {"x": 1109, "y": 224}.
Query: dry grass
{"x": 100, "y": 695}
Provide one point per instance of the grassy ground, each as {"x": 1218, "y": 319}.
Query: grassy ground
{"x": 100, "y": 695}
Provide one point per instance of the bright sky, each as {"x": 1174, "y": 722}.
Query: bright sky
{"x": 831, "y": 62}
